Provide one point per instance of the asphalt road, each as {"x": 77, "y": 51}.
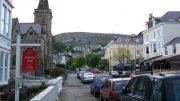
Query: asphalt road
{"x": 74, "y": 90}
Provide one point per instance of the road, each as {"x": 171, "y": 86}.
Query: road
{"x": 74, "y": 90}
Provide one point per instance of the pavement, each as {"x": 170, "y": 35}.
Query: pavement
{"x": 74, "y": 90}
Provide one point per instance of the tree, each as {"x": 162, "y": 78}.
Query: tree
{"x": 122, "y": 55}
{"x": 58, "y": 46}
{"x": 103, "y": 63}
{"x": 78, "y": 61}
{"x": 93, "y": 60}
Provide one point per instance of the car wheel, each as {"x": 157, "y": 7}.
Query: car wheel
{"x": 101, "y": 98}
{"x": 91, "y": 92}
{"x": 95, "y": 94}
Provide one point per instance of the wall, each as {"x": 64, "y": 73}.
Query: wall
{"x": 52, "y": 92}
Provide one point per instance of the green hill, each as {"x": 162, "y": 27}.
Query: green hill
{"x": 86, "y": 38}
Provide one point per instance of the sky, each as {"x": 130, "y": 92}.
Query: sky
{"x": 101, "y": 16}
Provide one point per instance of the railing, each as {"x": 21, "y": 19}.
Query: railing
{"x": 52, "y": 92}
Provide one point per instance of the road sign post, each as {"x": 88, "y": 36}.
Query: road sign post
{"x": 18, "y": 55}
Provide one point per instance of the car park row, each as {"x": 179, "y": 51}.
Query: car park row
{"x": 147, "y": 86}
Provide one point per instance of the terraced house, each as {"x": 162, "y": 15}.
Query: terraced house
{"x": 6, "y": 7}
{"x": 160, "y": 37}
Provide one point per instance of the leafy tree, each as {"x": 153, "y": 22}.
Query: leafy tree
{"x": 78, "y": 61}
{"x": 96, "y": 50}
{"x": 58, "y": 46}
{"x": 122, "y": 55}
{"x": 93, "y": 60}
{"x": 104, "y": 62}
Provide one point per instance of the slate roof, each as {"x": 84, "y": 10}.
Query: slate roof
{"x": 128, "y": 40}
{"x": 24, "y": 27}
{"x": 173, "y": 41}
{"x": 170, "y": 16}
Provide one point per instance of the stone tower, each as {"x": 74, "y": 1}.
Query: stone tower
{"x": 43, "y": 16}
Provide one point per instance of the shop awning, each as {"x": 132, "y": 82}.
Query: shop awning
{"x": 152, "y": 59}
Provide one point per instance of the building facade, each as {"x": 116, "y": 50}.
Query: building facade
{"x": 160, "y": 31}
{"x": 37, "y": 32}
{"x": 5, "y": 39}
{"x": 132, "y": 45}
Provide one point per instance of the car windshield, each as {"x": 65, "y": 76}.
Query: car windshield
{"x": 101, "y": 79}
{"x": 114, "y": 72}
{"x": 82, "y": 72}
{"x": 173, "y": 89}
{"x": 118, "y": 85}
{"x": 88, "y": 74}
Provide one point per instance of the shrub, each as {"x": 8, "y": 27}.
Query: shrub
{"x": 55, "y": 72}
{"x": 60, "y": 65}
{"x": 33, "y": 89}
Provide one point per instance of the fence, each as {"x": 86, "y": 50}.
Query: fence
{"x": 52, "y": 92}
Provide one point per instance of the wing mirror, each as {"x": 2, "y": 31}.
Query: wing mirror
{"x": 126, "y": 90}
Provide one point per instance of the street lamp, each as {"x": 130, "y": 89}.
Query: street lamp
{"x": 134, "y": 40}
{"x": 110, "y": 59}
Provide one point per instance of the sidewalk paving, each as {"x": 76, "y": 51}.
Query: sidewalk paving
{"x": 74, "y": 90}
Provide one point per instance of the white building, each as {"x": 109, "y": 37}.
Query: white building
{"x": 5, "y": 39}
{"x": 160, "y": 31}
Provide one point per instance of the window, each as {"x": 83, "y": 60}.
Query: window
{"x": 140, "y": 87}
{"x": 4, "y": 66}
{"x": 166, "y": 52}
{"x": 174, "y": 49}
{"x": 8, "y": 22}
{"x": 1, "y": 65}
{"x": 131, "y": 85}
{"x": 3, "y": 12}
{"x": 154, "y": 47}
{"x": 118, "y": 85}
{"x": 5, "y": 21}
{"x": 147, "y": 37}
{"x": 154, "y": 35}
{"x": 157, "y": 92}
{"x": 147, "y": 49}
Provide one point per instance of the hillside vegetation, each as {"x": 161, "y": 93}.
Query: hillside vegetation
{"x": 86, "y": 38}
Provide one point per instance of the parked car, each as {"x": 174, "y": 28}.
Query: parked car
{"x": 80, "y": 73}
{"x": 87, "y": 77}
{"x": 95, "y": 70}
{"x": 98, "y": 83}
{"x": 112, "y": 88}
{"x": 125, "y": 74}
{"x": 164, "y": 86}
{"x": 114, "y": 74}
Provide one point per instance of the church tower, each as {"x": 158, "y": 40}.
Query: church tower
{"x": 43, "y": 16}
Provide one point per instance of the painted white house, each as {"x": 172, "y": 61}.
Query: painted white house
{"x": 5, "y": 39}
{"x": 160, "y": 31}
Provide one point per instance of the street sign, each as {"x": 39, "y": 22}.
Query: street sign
{"x": 29, "y": 60}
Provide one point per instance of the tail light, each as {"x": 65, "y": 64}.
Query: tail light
{"x": 110, "y": 93}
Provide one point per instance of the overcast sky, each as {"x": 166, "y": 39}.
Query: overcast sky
{"x": 104, "y": 16}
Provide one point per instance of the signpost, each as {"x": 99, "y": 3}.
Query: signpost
{"x": 29, "y": 57}
{"x": 29, "y": 63}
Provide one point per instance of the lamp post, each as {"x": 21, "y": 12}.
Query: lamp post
{"x": 134, "y": 41}
{"x": 110, "y": 59}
